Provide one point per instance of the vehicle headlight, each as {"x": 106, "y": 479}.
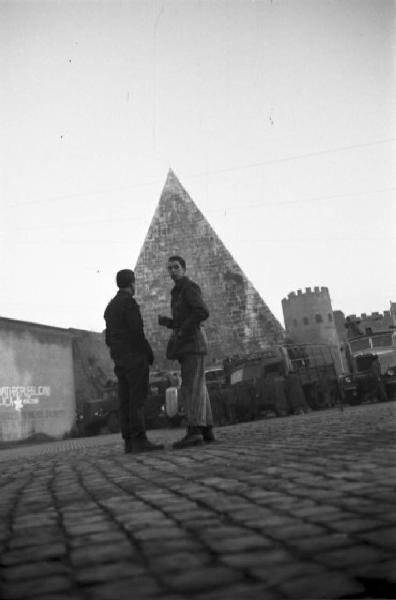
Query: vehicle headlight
{"x": 390, "y": 372}
{"x": 347, "y": 380}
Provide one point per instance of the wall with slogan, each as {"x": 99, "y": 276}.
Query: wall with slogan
{"x": 36, "y": 380}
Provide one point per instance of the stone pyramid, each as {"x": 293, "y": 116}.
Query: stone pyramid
{"x": 240, "y": 322}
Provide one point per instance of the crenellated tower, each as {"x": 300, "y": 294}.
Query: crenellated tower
{"x": 376, "y": 321}
{"x": 309, "y": 317}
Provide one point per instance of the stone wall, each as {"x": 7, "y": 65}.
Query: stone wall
{"x": 46, "y": 373}
{"x": 36, "y": 380}
{"x": 92, "y": 364}
{"x": 240, "y": 322}
{"x": 375, "y": 321}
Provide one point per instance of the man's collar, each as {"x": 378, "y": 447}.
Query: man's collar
{"x": 180, "y": 282}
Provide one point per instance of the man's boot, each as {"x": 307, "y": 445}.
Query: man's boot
{"x": 193, "y": 437}
{"x": 127, "y": 445}
{"x": 142, "y": 444}
{"x": 207, "y": 434}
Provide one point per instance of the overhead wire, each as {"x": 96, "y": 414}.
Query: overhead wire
{"x": 210, "y": 210}
{"x": 206, "y": 173}
{"x": 297, "y": 157}
{"x": 242, "y": 241}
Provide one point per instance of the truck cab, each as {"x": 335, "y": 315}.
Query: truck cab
{"x": 371, "y": 359}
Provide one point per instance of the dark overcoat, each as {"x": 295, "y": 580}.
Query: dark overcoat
{"x": 188, "y": 312}
{"x": 124, "y": 329}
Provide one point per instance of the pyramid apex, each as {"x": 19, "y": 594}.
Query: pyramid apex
{"x": 171, "y": 180}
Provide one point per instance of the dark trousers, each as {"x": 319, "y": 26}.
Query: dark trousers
{"x": 132, "y": 372}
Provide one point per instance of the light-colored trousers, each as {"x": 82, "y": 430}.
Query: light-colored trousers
{"x": 194, "y": 391}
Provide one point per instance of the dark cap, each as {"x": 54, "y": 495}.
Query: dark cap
{"x": 125, "y": 277}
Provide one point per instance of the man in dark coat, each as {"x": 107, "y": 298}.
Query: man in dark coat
{"x": 132, "y": 355}
{"x": 188, "y": 345}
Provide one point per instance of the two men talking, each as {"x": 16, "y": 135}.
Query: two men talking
{"x": 132, "y": 355}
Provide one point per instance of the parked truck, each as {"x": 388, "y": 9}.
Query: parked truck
{"x": 100, "y": 413}
{"x": 284, "y": 379}
{"x": 371, "y": 361}
{"x": 289, "y": 378}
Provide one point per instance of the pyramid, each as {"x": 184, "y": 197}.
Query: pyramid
{"x": 240, "y": 322}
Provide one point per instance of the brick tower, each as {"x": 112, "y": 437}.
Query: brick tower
{"x": 240, "y": 322}
{"x": 309, "y": 317}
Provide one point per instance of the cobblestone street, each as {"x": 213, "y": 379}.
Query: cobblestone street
{"x": 299, "y": 507}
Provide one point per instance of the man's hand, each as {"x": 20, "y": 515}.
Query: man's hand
{"x": 149, "y": 353}
{"x": 164, "y": 321}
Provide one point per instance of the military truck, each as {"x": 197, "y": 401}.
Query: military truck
{"x": 289, "y": 378}
{"x": 101, "y": 412}
{"x": 371, "y": 360}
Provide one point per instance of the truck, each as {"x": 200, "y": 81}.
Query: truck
{"x": 289, "y": 378}
{"x": 100, "y": 413}
{"x": 283, "y": 379}
{"x": 371, "y": 361}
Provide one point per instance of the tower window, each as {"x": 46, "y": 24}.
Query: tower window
{"x": 305, "y": 320}
{"x": 330, "y": 317}
{"x": 318, "y": 318}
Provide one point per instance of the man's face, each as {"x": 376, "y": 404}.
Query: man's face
{"x": 175, "y": 270}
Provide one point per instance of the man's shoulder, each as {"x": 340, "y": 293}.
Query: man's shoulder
{"x": 120, "y": 301}
{"x": 185, "y": 288}
{"x": 192, "y": 287}
{"x": 127, "y": 301}
{"x": 110, "y": 305}
{"x": 190, "y": 284}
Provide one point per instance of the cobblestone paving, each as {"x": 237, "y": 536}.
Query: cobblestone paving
{"x": 300, "y": 507}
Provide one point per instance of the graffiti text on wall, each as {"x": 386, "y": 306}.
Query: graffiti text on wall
{"x": 17, "y": 396}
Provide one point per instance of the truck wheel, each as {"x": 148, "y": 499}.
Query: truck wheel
{"x": 113, "y": 423}
{"x": 353, "y": 399}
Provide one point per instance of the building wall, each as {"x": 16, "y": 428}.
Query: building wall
{"x": 339, "y": 319}
{"x": 239, "y": 322}
{"x": 93, "y": 367}
{"x": 393, "y": 312}
{"x": 36, "y": 380}
{"x": 375, "y": 321}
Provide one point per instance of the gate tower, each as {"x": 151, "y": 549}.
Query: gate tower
{"x": 309, "y": 317}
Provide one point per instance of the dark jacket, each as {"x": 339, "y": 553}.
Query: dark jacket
{"x": 124, "y": 328}
{"x": 188, "y": 311}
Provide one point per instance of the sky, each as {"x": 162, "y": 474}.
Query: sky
{"x": 277, "y": 117}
